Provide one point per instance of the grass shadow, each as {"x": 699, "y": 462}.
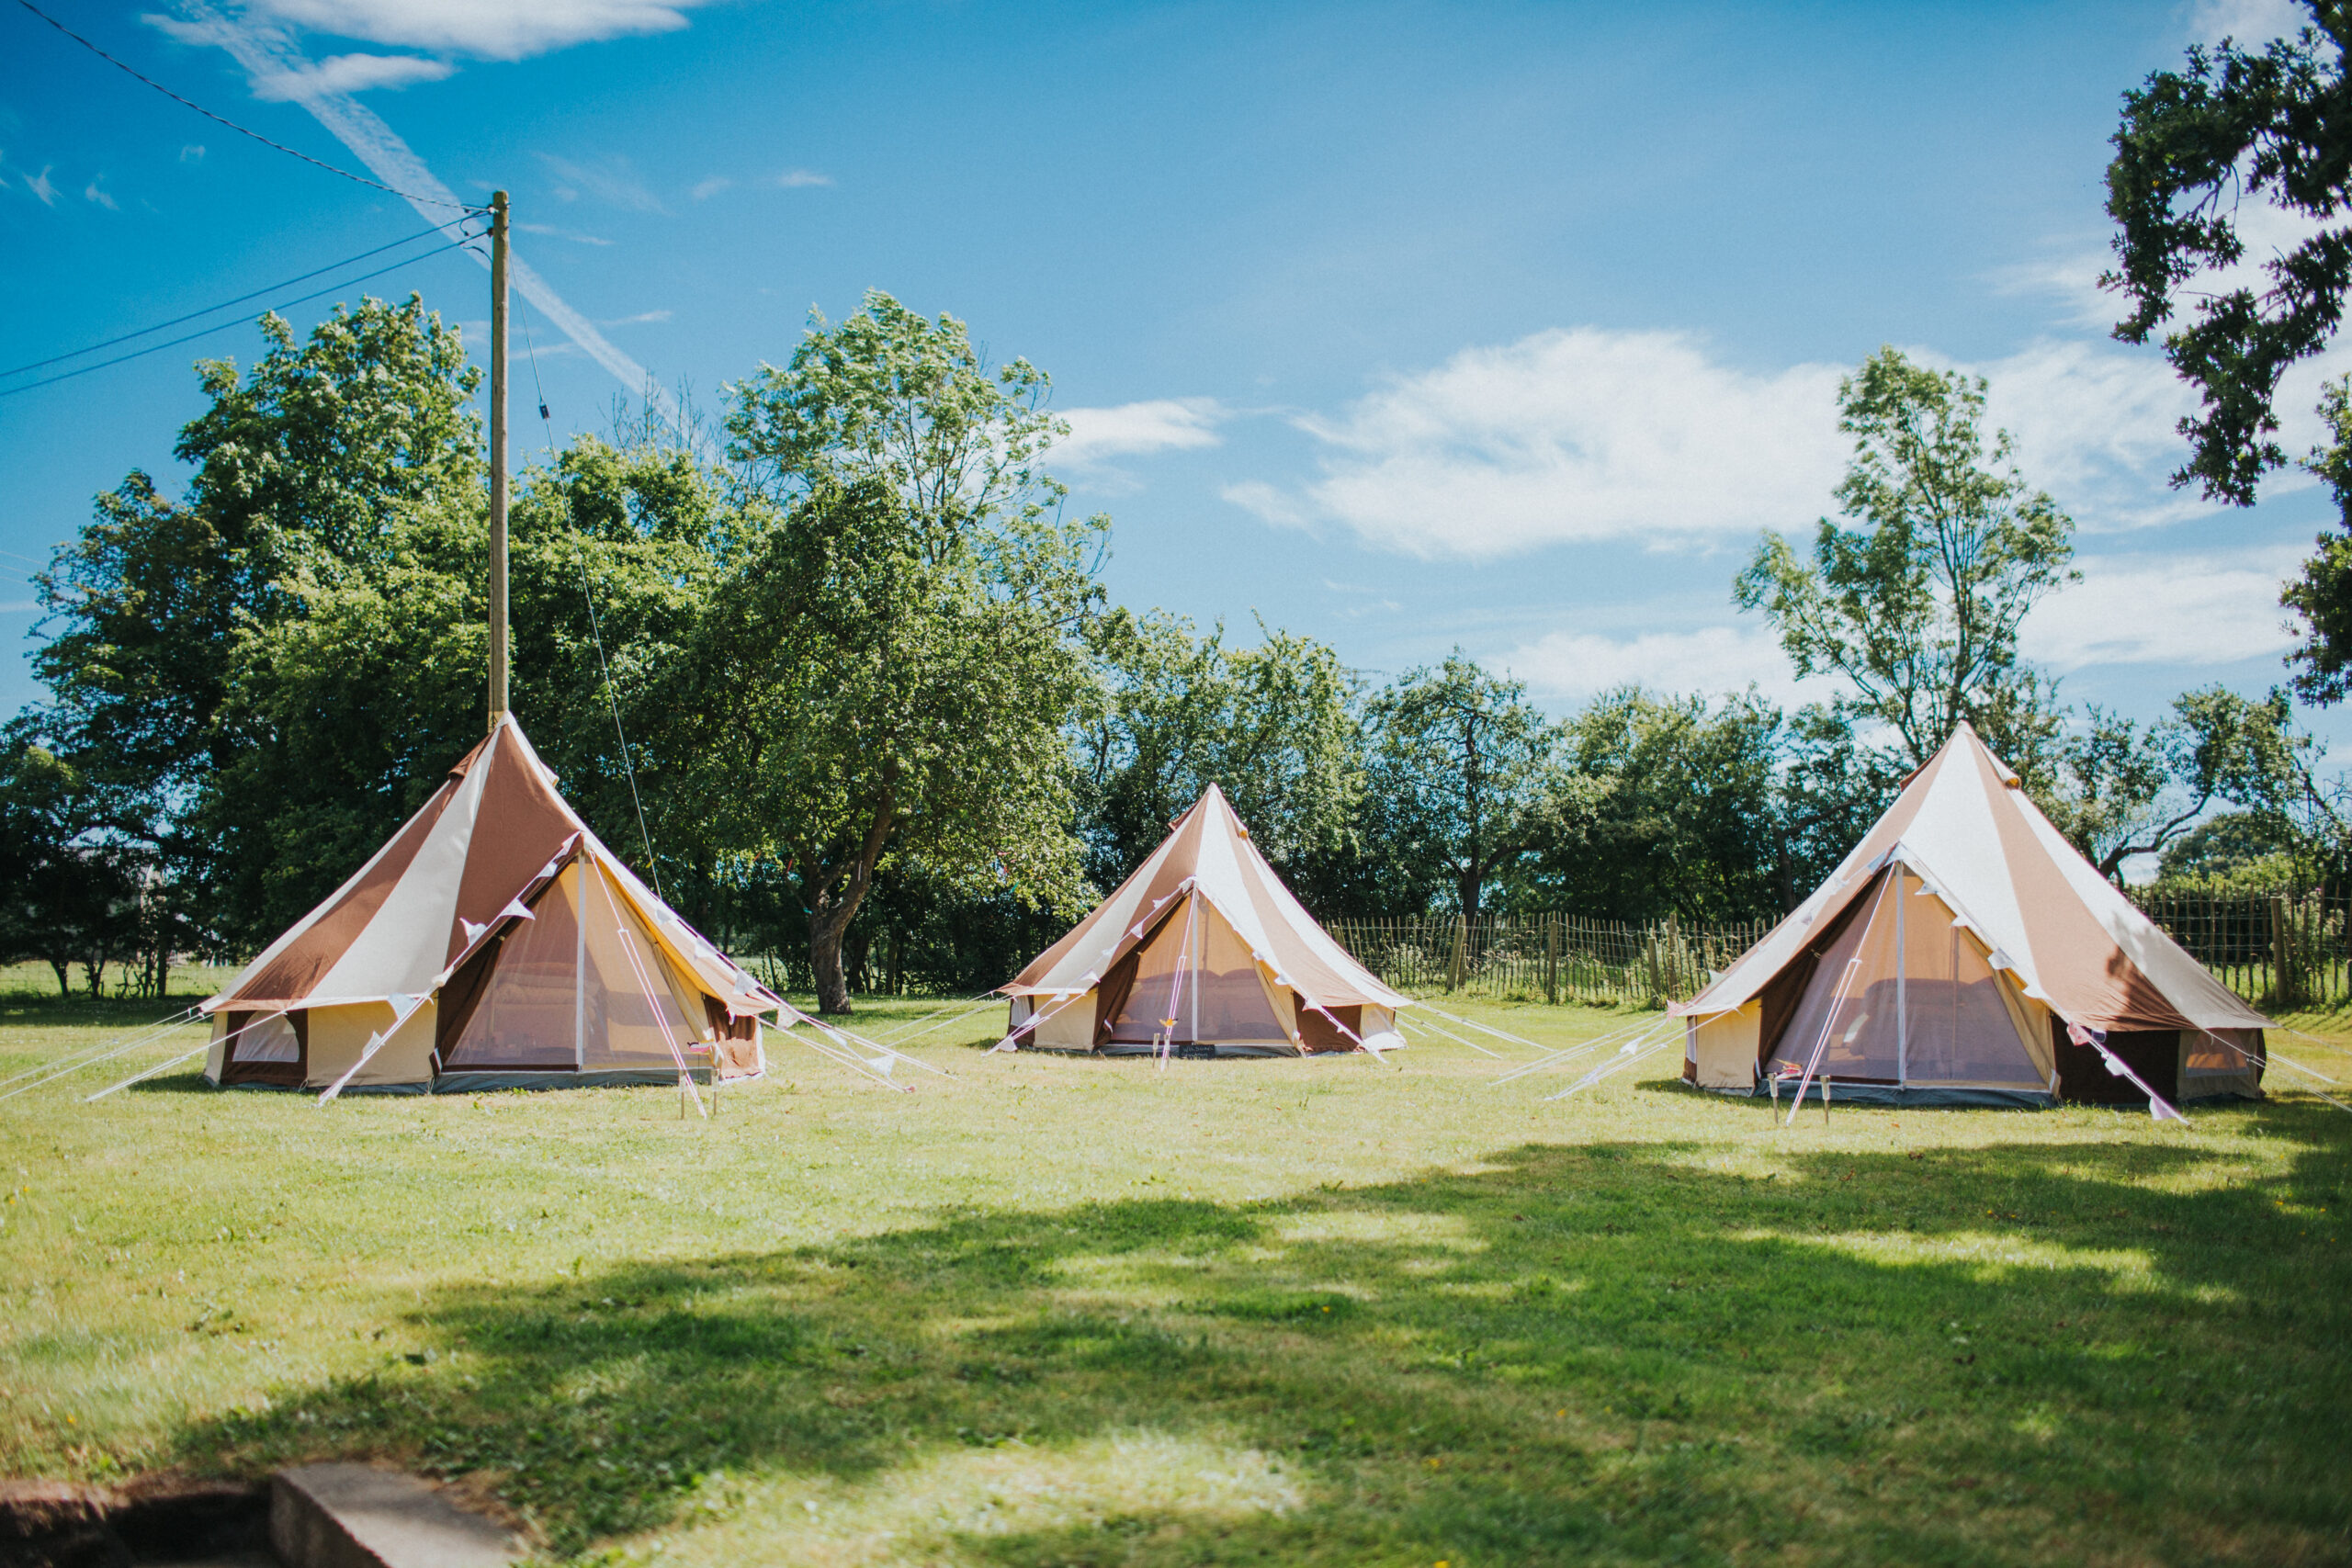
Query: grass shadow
{"x": 1613, "y": 1352}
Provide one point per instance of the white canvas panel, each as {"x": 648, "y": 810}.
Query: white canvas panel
{"x": 2185, "y": 983}
{"x": 269, "y": 1040}
{"x": 405, "y": 945}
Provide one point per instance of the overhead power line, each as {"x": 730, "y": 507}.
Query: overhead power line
{"x": 223, "y": 326}
{"x": 223, "y": 305}
{"x": 233, "y": 125}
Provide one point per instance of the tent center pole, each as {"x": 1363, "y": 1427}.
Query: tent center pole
{"x": 497, "y": 457}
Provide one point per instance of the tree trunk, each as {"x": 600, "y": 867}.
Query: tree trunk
{"x": 825, "y": 929}
{"x": 65, "y": 978}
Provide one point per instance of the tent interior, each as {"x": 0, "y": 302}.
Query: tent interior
{"x": 1899, "y": 999}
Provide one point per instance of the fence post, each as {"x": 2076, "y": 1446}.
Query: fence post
{"x": 1551, "y": 958}
{"x": 2282, "y": 982}
{"x": 1461, "y": 952}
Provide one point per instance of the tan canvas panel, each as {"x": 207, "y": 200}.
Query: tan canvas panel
{"x": 1380, "y": 1031}
{"x": 1722, "y": 1049}
{"x": 339, "y": 1035}
{"x": 1068, "y": 1026}
{"x": 218, "y": 1052}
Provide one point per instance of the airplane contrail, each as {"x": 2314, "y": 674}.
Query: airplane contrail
{"x": 269, "y": 54}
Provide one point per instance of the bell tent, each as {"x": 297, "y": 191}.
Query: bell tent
{"x": 1966, "y": 953}
{"x": 493, "y": 943}
{"x": 1202, "y": 952}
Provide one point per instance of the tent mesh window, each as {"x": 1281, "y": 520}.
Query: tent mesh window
{"x": 580, "y": 985}
{"x": 268, "y": 1051}
{"x": 1905, "y": 995}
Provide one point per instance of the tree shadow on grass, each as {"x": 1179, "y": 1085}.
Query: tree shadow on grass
{"x": 1615, "y": 1352}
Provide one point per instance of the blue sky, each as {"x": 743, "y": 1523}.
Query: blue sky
{"x": 1401, "y": 325}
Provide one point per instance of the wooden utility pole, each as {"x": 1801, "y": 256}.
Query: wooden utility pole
{"x": 497, "y": 456}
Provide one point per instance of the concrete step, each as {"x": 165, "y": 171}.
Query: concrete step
{"x": 359, "y": 1516}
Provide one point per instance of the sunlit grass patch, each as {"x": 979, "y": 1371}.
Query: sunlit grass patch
{"x": 1082, "y": 1312}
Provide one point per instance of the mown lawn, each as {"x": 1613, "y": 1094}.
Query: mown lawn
{"x": 1077, "y": 1312}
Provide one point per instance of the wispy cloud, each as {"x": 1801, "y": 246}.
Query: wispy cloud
{"x": 2252, "y": 23}
{"x": 1709, "y": 660}
{"x": 2192, "y": 610}
{"x": 490, "y": 29}
{"x": 92, "y": 192}
{"x": 192, "y": 154}
{"x": 350, "y": 73}
{"x": 40, "y": 187}
{"x": 637, "y": 320}
{"x": 555, "y": 233}
{"x": 705, "y": 189}
{"x": 1565, "y": 438}
{"x": 793, "y": 179}
{"x": 262, "y": 49}
{"x": 612, "y": 181}
{"x": 1584, "y": 435}
{"x": 1133, "y": 430}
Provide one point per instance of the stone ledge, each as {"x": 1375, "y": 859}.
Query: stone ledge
{"x": 356, "y": 1515}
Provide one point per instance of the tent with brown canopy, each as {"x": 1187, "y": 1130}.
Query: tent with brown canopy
{"x": 1202, "y": 952}
{"x": 492, "y": 942}
{"x": 1965, "y": 952}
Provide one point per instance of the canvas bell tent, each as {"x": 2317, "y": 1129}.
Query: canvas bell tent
{"x": 492, "y": 942}
{"x": 1966, "y": 953}
{"x": 1204, "y": 934}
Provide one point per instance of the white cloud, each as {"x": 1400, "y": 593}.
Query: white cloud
{"x": 2146, "y": 609}
{"x": 493, "y": 29}
{"x": 793, "y": 179}
{"x": 642, "y": 317}
{"x": 2096, "y": 427}
{"x": 1135, "y": 430}
{"x": 92, "y": 192}
{"x": 707, "y": 188}
{"x": 1712, "y": 661}
{"x": 610, "y": 180}
{"x": 2252, "y": 23}
{"x": 39, "y": 185}
{"x": 1584, "y": 435}
{"x": 350, "y": 73}
{"x": 1568, "y": 437}
{"x": 552, "y": 232}
{"x": 2070, "y": 278}
{"x": 192, "y": 154}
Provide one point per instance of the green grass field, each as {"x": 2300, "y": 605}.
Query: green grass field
{"x": 1075, "y": 1312}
